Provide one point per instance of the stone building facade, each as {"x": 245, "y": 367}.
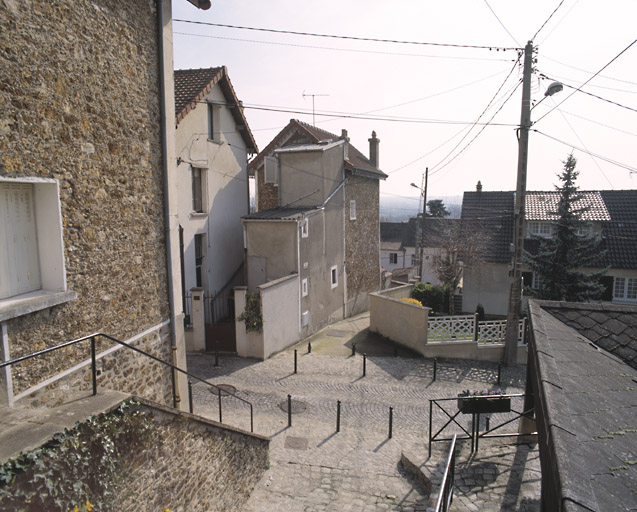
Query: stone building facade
{"x": 81, "y": 145}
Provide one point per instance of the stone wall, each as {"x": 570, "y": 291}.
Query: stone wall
{"x": 120, "y": 369}
{"x": 79, "y": 103}
{"x": 162, "y": 460}
{"x": 195, "y": 464}
{"x": 362, "y": 242}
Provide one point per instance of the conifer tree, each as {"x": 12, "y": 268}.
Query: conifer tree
{"x": 557, "y": 261}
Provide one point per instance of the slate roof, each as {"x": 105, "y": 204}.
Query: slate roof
{"x": 616, "y": 210}
{"x": 312, "y": 135}
{"x": 588, "y": 404}
{"x": 193, "y": 85}
{"x": 538, "y": 205}
{"x": 612, "y": 327}
{"x": 492, "y": 214}
{"x": 407, "y": 232}
{"x": 278, "y": 214}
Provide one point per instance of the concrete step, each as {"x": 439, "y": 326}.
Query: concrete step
{"x": 25, "y": 428}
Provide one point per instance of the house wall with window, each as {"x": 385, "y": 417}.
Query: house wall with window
{"x": 82, "y": 190}
{"x": 212, "y": 173}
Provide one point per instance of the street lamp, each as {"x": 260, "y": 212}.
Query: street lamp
{"x": 515, "y": 292}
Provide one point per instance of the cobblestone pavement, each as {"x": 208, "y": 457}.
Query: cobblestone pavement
{"x": 314, "y": 468}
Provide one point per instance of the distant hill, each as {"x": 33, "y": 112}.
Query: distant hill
{"x": 400, "y": 209}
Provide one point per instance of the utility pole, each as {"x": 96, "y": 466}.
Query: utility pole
{"x": 422, "y": 222}
{"x": 515, "y": 295}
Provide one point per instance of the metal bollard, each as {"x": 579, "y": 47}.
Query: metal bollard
{"x": 190, "y": 396}
{"x": 338, "y": 415}
{"x": 435, "y": 367}
{"x": 220, "y": 417}
{"x": 499, "y": 372}
{"x": 295, "y": 361}
{"x": 309, "y": 347}
{"x": 487, "y": 422}
{"x": 289, "y": 410}
{"x": 391, "y": 420}
{"x": 354, "y": 348}
{"x": 364, "y": 365}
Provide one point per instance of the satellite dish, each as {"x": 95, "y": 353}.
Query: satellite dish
{"x": 555, "y": 87}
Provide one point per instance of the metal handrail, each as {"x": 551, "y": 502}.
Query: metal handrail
{"x": 445, "y": 495}
{"x": 92, "y": 337}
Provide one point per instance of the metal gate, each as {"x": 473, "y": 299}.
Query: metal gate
{"x": 220, "y": 327}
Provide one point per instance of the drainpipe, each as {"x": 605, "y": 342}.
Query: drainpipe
{"x": 164, "y": 147}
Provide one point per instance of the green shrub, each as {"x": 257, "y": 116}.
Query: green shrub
{"x": 431, "y": 296}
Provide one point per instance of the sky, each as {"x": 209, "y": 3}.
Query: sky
{"x": 448, "y": 107}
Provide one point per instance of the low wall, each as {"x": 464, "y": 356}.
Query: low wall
{"x": 471, "y": 350}
{"x": 403, "y": 323}
{"x": 280, "y": 312}
{"x": 175, "y": 461}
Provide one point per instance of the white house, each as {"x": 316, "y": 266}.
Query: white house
{"x": 213, "y": 143}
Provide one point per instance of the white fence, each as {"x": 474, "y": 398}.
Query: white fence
{"x": 468, "y": 328}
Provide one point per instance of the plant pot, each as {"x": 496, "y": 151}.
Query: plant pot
{"x": 483, "y": 404}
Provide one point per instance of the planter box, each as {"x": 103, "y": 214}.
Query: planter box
{"x": 483, "y": 405}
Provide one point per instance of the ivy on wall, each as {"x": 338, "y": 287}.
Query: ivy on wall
{"x": 78, "y": 469}
{"x": 252, "y": 313}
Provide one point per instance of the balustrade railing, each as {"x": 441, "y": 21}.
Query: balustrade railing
{"x": 468, "y": 328}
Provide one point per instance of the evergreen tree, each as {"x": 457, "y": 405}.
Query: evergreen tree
{"x": 437, "y": 208}
{"x": 558, "y": 258}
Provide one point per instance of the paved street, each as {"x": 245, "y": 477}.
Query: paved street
{"x": 314, "y": 468}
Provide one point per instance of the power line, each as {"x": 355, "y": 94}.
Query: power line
{"x": 547, "y": 20}
{"x": 600, "y": 124}
{"x": 576, "y": 89}
{"x": 605, "y": 159}
{"x": 352, "y": 50}
{"x": 351, "y": 38}
{"x": 559, "y": 22}
{"x": 580, "y": 87}
{"x": 588, "y": 72}
{"x": 500, "y": 21}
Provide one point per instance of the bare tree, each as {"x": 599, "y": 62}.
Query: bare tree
{"x": 461, "y": 247}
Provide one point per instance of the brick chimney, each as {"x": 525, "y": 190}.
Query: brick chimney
{"x": 373, "y": 149}
{"x": 479, "y": 186}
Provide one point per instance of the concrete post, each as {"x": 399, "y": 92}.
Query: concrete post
{"x": 6, "y": 385}
{"x": 198, "y": 320}
{"x": 241, "y": 335}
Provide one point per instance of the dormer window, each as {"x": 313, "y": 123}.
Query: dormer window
{"x": 537, "y": 228}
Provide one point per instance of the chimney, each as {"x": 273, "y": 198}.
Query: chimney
{"x": 479, "y": 186}
{"x": 373, "y": 150}
{"x": 346, "y": 145}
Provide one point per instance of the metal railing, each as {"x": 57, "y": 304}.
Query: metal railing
{"x": 445, "y": 495}
{"x": 475, "y": 435}
{"x": 92, "y": 338}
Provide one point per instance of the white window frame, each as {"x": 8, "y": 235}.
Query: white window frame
{"x": 583, "y": 231}
{"x": 625, "y": 289}
{"x": 536, "y": 281}
{"x": 203, "y": 187}
{"x": 352, "y": 209}
{"x": 393, "y": 258}
{"x": 305, "y": 230}
{"x": 538, "y": 228}
{"x": 334, "y": 276}
{"x": 304, "y": 288}
{"x": 52, "y": 288}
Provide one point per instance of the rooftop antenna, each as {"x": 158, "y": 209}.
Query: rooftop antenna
{"x": 313, "y": 96}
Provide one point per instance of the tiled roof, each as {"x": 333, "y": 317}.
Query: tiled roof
{"x": 391, "y": 246}
{"x": 492, "y": 214}
{"x": 394, "y": 232}
{"x": 620, "y": 234}
{"x": 587, "y": 403}
{"x": 193, "y": 85}
{"x": 407, "y": 232}
{"x": 312, "y": 135}
{"x": 538, "y": 206}
{"x": 278, "y": 214}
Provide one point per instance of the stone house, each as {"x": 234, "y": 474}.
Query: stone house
{"x": 324, "y": 227}
{"x": 213, "y": 142}
{"x": 399, "y": 245}
{"x": 611, "y": 217}
{"x": 88, "y": 231}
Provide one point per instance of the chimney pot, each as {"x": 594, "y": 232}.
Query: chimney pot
{"x": 479, "y": 186}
